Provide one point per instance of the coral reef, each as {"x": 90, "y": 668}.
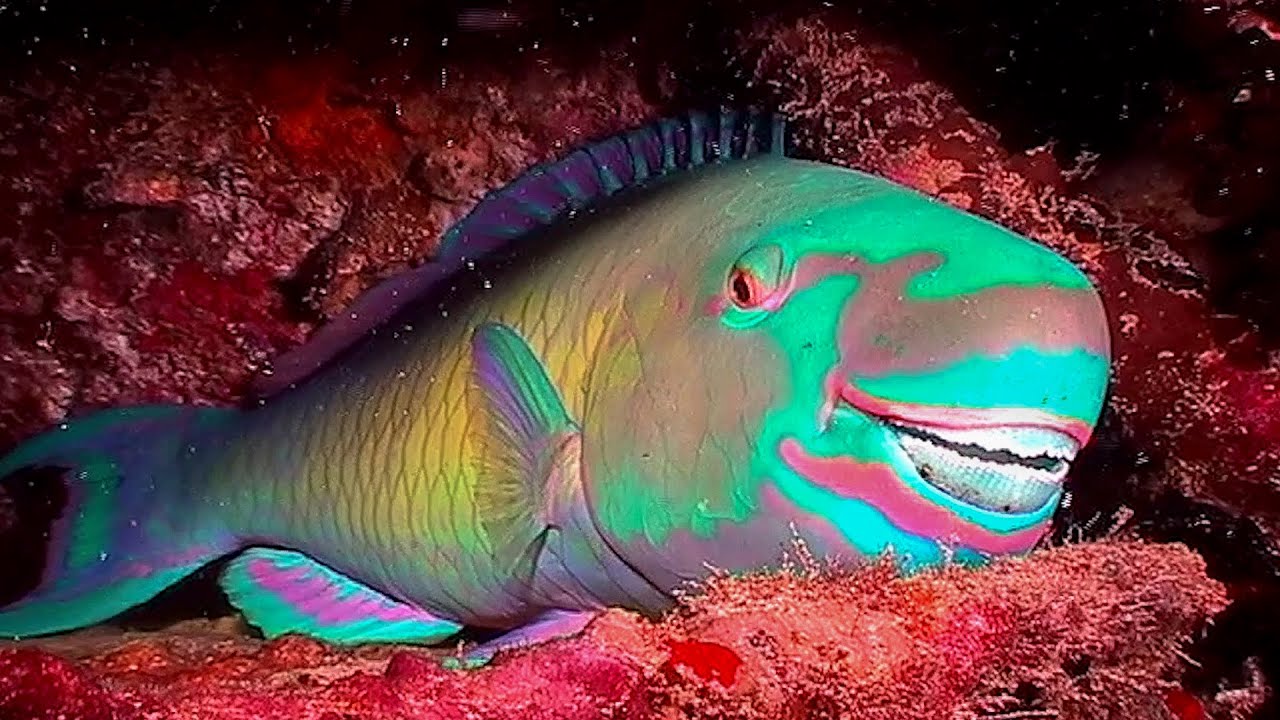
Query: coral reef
{"x": 1074, "y": 633}
{"x": 153, "y": 258}
{"x": 170, "y": 220}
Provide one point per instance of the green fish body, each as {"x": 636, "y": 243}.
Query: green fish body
{"x": 672, "y": 350}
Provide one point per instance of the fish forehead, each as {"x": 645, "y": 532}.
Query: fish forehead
{"x": 879, "y": 221}
{"x": 896, "y": 283}
{"x": 816, "y": 209}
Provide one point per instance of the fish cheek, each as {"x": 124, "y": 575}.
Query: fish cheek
{"x": 670, "y": 435}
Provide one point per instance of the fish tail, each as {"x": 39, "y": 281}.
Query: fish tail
{"x": 132, "y": 520}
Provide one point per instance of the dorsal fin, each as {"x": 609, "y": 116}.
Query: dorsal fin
{"x": 543, "y": 195}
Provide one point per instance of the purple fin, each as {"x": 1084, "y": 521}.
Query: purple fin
{"x": 605, "y": 167}
{"x": 697, "y": 138}
{"x": 551, "y": 625}
{"x": 613, "y": 162}
{"x": 540, "y": 197}
{"x": 284, "y": 591}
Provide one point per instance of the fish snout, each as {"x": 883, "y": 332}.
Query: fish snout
{"x": 989, "y": 395}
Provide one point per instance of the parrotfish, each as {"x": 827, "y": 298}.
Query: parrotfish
{"x": 670, "y": 352}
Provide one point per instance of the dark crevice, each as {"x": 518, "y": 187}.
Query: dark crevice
{"x": 31, "y": 501}
{"x": 1116, "y": 485}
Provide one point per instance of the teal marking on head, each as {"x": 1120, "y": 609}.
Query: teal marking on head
{"x": 1025, "y": 378}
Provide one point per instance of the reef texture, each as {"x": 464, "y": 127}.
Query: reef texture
{"x": 153, "y": 257}
{"x": 1074, "y": 633}
{"x": 171, "y": 221}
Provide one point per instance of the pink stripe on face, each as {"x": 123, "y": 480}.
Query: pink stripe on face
{"x": 878, "y": 485}
{"x": 958, "y": 418}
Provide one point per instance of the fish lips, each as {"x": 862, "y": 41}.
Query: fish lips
{"x": 1009, "y": 461}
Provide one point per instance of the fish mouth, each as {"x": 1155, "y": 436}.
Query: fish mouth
{"x": 1003, "y": 460}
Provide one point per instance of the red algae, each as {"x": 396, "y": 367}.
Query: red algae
{"x": 35, "y": 685}
{"x": 1072, "y": 631}
{"x": 1062, "y": 632}
{"x": 1184, "y": 705}
{"x": 709, "y": 661}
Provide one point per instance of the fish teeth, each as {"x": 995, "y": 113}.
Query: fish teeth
{"x": 1009, "y": 486}
{"x": 1026, "y": 442}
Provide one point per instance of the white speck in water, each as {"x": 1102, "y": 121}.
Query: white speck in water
{"x": 488, "y": 284}
{"x": 102, "y": 557}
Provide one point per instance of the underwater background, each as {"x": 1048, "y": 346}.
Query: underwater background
{"x": 189, "y": 189}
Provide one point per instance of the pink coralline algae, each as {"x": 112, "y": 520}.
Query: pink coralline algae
{"x": 1084, "y": 631}
{"x": 35, "y": 685}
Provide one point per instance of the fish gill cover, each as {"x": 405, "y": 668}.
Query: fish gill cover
{"x": 186, "y": 204}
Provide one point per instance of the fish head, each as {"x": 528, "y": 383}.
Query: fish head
{"x": 877, "y": 371}
{"x": 946, "y": 371}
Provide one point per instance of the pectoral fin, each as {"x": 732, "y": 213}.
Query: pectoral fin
{"x": 530, "y": 447}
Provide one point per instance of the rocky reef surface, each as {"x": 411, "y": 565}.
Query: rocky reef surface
{"x": 1074, "y": 633}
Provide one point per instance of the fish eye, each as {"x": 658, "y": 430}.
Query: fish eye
{"x": 756, "y": 279}
{"x": 743, "y": 288}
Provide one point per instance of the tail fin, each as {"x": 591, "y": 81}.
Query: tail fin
{"x": 130, "y": 527}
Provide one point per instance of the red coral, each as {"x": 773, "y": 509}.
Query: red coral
{"x": 35, "y": 685}
{"x": 709, "y": 661}
{"x": 318, "y": 132}
{"x": 196, "y": 305}
{"x": 1184, "y": 705}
